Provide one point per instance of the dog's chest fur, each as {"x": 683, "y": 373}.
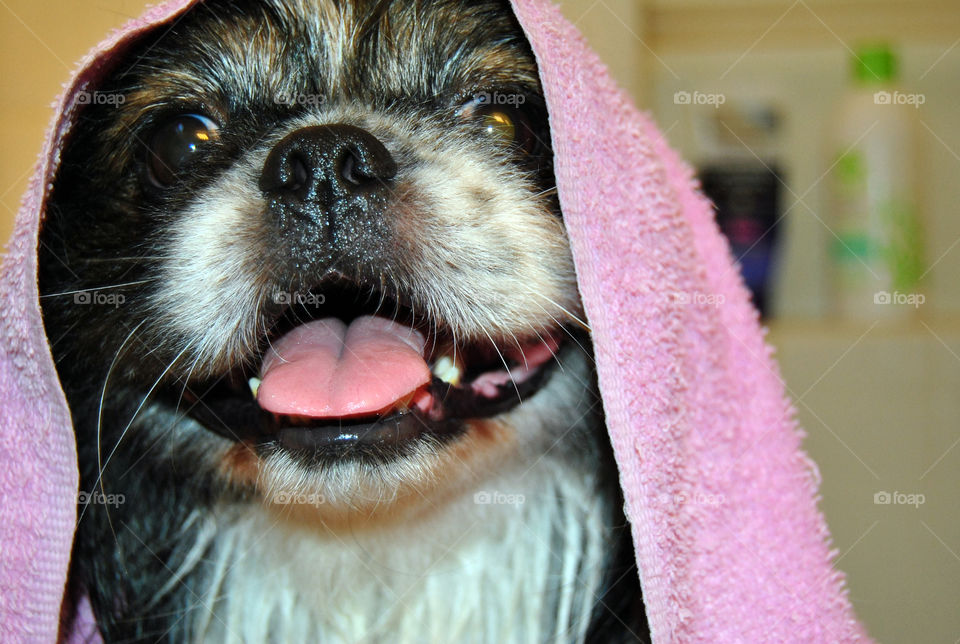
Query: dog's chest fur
{"x": 521, "y": 560}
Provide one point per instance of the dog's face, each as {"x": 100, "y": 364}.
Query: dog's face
{"x": 317, "y": 249}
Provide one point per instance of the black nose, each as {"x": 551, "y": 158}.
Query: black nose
{"x": 326, "y": 164}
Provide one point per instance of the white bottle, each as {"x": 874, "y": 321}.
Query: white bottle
{"x": 876, "y": 249}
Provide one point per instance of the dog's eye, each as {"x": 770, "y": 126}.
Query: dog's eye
{"x": 510, "y": 126}
{"x": 499, "y": 124}
{"x": 504, "y": 123}
{"x": 174, "y": 143}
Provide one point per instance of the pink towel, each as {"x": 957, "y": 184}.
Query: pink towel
{"x": 730, "y": 545}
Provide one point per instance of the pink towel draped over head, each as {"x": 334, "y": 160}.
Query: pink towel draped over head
{"x": 730, "y": 545}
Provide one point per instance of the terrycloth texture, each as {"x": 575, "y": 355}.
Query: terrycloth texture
{"x": 38, "y": 460}
{"x": 730, "y": 545}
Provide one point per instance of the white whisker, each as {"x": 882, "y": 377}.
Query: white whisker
{"x": 574, "y": 338}
{"x": 136, "y": 413}
{"x": 103, "y": 393}
{"x": 571, "y": 315}
{"x": 505, "y": 366}
{"x": 96, "y": 288}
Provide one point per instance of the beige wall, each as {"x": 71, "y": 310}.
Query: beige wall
{"x": 39, "y": 45}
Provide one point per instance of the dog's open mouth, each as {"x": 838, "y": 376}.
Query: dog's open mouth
{"x": 346, "y": 367}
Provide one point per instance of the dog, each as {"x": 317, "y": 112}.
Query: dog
{"x": 311, "y": 301}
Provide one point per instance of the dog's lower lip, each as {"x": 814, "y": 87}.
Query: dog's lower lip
{"x": 393, "y": 429}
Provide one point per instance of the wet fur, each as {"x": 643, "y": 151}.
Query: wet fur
{"x": 204, "y": 547}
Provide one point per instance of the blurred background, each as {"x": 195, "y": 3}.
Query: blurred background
{"x": 828, "y": 134}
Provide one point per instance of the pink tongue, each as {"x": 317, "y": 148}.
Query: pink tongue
{"x": 328, "y": 369}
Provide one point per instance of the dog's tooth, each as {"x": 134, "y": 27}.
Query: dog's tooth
{"x": 254, "y": 386}
{"x": 447, "y": 370}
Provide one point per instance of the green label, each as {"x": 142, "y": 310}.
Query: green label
{"x": 903, "y": 253}
{"x": 853, "y": 247}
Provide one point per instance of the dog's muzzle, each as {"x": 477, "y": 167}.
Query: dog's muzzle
{"x": 344, "y": 366}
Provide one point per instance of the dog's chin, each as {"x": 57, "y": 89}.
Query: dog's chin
{"x": 353, "y": 493}
{"x": 357, "y": 406}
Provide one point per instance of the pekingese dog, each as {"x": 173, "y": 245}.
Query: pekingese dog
{"x": 310, "y": 297}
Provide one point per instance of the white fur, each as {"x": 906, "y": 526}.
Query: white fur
{"x": 468, "y": 573}
{"x": 211, "y": 273}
